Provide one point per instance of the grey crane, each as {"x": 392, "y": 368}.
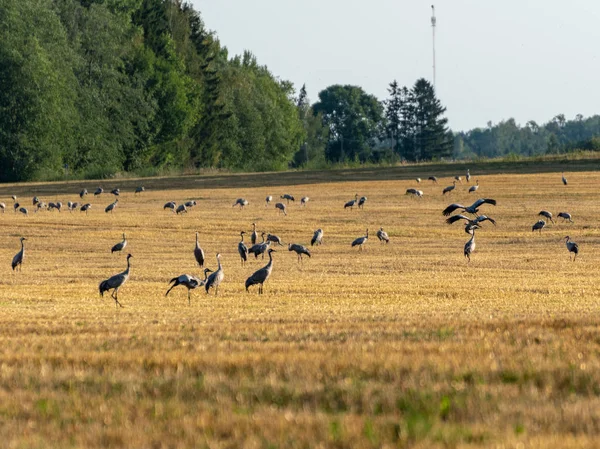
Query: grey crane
{"x": 418, "y": 180}
{"x": 268, "y": 200}
{"x": 243, "y": 249}
{"x": 317, "y": 238}
{"x": 35, "y": 200}
{"x": 449, "y": 188}
{"x": 181, "y": 209}
{"x": 304, "y": 200}
{"x": 3, "y": 207}
{"x": 299, "y": 250}
{"x": 361, "y": 241}
{"x": 468, "y": 177}
{"x": 199, "y": 253}
{"x": 475, "y": 187}
{"x": 190, "y": 204}
{"x": 260, "y": 248}
{"x": 215, "y": 279}
{"x": 458, "y": 178}
{"x": 433, "y": 178}
{"x": 57, "y": 206}
{"x": 548, "y": 215}
{"x": 383, "y": 236}
{"x": 254, "y": 235}
{"x": 115, "y": 282}
{"x": 281, "y": 208}
{"x": 139, "y": 189}
{"x": 188, "y": 281}
{"x": 111, "y": 207}
{"x": 85, "y": 208}
{"x": 116, "y": 192}
{"x": 24, "y": 210}
{"x": 99, "y": 191}
{"x": 538, "y": 226}
{"x": 119, "y": 246}
{"x": 170, "y": 205}
{"x": 242, "y": 202}
{"x": 288, "y": 197}
{"x": 414, "y": 193}
{"x": 352, "y": 203}
{"x": 565, "y": 216}
{"x": 470, "y": 245}
{"x": 564, "y": 180}
{"x": 16, "y": 207}
{"x": 472, "y": 209}
{"x": 470, "y": 224}
{"x": 572, "y": 247}
{"x": 14, "y": 198}
{"x": 361, "y": 202}
{"x": 72, "y": 206}
{"x": 83, "y": 193}
{"x": 275, "y": 239}
{"x": 41, "y": 205}
{"x": 261, "y": 276}
{"x": 17, "y": 261}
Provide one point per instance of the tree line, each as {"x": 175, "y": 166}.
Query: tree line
{"x": 91, "y": 88}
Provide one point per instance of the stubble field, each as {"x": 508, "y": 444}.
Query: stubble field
{"x": 401, "y": 345}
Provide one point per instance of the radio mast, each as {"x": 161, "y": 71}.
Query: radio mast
{"x": 433, "y": 22}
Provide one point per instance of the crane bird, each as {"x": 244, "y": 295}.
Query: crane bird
{"x": 190, "y": 204}
{"x": 288, "y": 197}
{"x": 317, "y": 238}
{"x": 85, "y": 208}
{"x": 242, "y": 202}
{"x": 468, "y": 177}
{"x": 472, "y": 209}
{"x": 254, "y": 235}
{"x": 260, "y": 276}
{"x": 418, "y": 180}
{"x": 99, "y": 191}
{"x": 199, "y": 253}
{"x": 351, "y": 203}
{"x": 414, "y": 193}
{"x": 564, "y": 180}
{"x": 72, "y": 206}
{"x": 24, "y": 210}
{"x": 383, "y": 236}
{"x": 16, "y": 207}
{"x": 170, "y": 205}
{"x": 111, "y": 207}
{"x": 470, "y": 245}
{"x": 41, "y": 205}
{"x": 19, "y": 257}
{"x": 449, "y": 188}
{"x": 299, "y": 250}
{"x": 572, "y": 247}
{"x": 35, "y": 200}
{"x": 260, "y": 248}
{"x": 119, "y": 246}
{"x": 548, "y": 215}
{"x": 538, "y": 226}
{"x": 3, "y": 207}
{"x": 243, "y": 249}
{"x": 362, "y": 201}
{"x": 116, "y": 192}
{"x": 475, "y": 187}
{"x": 304, "y": 200}
{"x": 215, "y": 279}
{"x": 188, "y": 281}
{"x": 458, "y": 178}
{"x": 14, "y": 198}
{"x": 181, "y": 209}
{"x": 57, "y": 206}
{"x": 432, "y": 178}
{"x": 470, "y": 224}
{"x": 83, "y": 193}
{"x": 139, "y": 189}
{"x": 273, "y": 238}
{"x": 115, "y": 282}
{"x": 268, "y": 200}
{"x": 281, "y": 208}
{"x": 361, "y": 241}
{"x": 565, "y": 216}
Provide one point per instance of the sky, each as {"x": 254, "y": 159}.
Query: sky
{"x": 526, "y": 59}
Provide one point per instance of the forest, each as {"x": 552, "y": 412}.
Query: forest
{"x": 92, "y": 88}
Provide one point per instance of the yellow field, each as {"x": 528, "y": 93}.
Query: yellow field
{"x": 402, "y": 345}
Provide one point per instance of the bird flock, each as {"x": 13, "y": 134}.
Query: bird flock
{"x": 468, "y": 215}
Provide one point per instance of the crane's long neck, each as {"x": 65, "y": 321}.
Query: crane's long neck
{"x": 22, "y": 246}
{"x": 128, "y": 267}
{"x": 219, "y": 263}
{"x": 270, "y": 264}
{"x": 242, "y": 236}
{"x": 197, "y": 245}
{"x": 205, "y": 275}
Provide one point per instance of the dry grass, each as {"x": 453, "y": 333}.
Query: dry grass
{"x": 404, "y": 345}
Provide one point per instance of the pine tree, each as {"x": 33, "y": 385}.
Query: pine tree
{"x": 393, "y": 116}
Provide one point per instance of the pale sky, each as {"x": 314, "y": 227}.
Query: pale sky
{"x": 527, "y": 59}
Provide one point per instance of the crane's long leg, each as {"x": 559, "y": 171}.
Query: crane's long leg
{"x": 189, "y": 297}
